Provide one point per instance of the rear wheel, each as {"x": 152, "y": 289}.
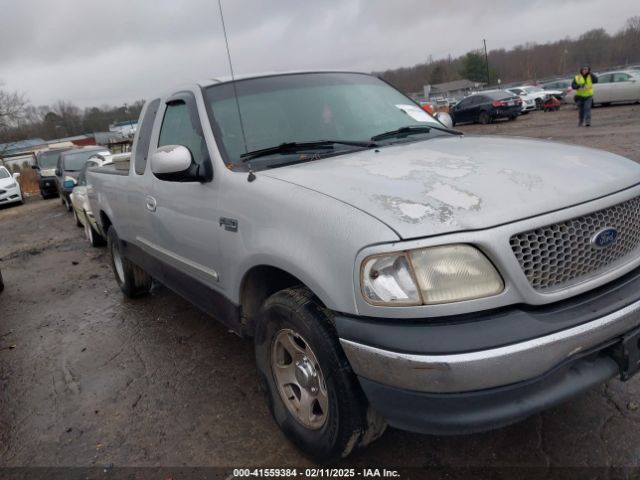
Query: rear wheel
{"x": 513, "y": 117}
{"x": 313, "y": 395}
{"x": 539, "y": 103}
{"x": 1, "y": 282}
{"x": 132, "y": 280}
{"x": 484, "y": 117}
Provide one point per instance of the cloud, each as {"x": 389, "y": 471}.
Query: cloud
{"x": 94, "y": 52}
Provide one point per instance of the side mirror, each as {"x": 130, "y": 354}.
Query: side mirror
{"x": 172, "y": 163}
{"x": 16, "y": 175}
{"x": 57, "y": 172}
{"x": 445, "y": 119}
{"x": 35, "y": 167}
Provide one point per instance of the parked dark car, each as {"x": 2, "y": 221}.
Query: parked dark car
{"x": 69, "y": 166}
{"x": 46, "y": 163}
{"x": 486, "y": 107}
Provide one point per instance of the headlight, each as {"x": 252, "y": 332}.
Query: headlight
{"x": 428, "y": 276}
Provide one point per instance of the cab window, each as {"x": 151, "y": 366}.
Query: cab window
{"x": 181, "y": 126}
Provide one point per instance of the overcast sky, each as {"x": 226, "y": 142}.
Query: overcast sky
{"x": 95, "y": 52}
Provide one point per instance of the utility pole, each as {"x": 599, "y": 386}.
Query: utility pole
{"x": 486, "y": 59}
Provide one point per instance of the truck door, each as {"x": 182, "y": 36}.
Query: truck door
{"x": 185, "y": 220}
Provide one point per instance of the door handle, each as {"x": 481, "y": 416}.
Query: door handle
{"x": 150, "y": 203}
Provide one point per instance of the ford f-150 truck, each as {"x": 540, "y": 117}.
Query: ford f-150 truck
{"x": 389, "y": 269}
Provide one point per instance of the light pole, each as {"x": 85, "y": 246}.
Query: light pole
{"x": 486, "y": 60}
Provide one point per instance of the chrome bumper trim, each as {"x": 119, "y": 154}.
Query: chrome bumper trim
{"x": 484, "y": 369}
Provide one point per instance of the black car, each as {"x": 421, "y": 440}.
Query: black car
{"x": 46, "y": 163}
{"x": 485, "y": 107}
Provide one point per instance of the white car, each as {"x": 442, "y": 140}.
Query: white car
{"x": 613, "y": 87}
{"x": 82, "y": 214}
{"x": 528, "y": 100}
{"x": 9, "y": 187}
{"x": 537, "y": 94}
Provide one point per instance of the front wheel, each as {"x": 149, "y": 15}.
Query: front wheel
{"x": 312, "y": 393}
{"x": 132, "y": 280}
{"x": 76, "y": 219}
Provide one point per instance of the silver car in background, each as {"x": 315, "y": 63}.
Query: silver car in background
{"x": 621, "y": 86}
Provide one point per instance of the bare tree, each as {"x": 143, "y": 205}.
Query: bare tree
{"x": 12, "y": 110}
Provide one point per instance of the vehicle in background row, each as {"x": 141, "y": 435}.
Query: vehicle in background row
{"x": 538, "y": 94}
{"x": 10, "y": 191}
{"x": 388, "y": 268}
{"x": 563, "y": 85}
{"x": 68, "y": 168}
{"x": 528, "y": 100}
{"x": 83, "y": 216}
{"x": 615, "y": 87}
{"x": 485, "y": 107}
{"x": 46, "y": 162}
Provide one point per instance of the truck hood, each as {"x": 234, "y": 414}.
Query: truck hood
{"x": 449, "y": 184}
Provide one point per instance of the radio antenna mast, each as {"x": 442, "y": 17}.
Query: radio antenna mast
{"x": 233, "y": 79}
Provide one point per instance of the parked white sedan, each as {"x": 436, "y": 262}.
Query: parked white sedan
{"x": 9, "y": 187}
{"x": 619, "y": 86}
{"x": 82, "y": 214}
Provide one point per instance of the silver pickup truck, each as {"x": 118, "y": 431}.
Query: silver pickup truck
{"x": 389, "y": 269}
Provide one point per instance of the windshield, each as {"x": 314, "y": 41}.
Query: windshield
{"x": 533, "y": 89}
{"x": 76, "y": 160}
{"x": 305, "y": 108}
{"x": 4, "y": 173}
{"x": 48, "y": 159}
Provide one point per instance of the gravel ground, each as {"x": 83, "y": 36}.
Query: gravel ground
{"x": 89, "y": 378}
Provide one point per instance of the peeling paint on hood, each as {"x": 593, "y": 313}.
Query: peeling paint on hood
{"x": 450, "y": 184}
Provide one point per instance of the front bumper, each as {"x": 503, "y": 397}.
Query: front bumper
{"x": 10, "y": 195}
{"x": 491, "y": 368}
{"x": 48, "y": 186}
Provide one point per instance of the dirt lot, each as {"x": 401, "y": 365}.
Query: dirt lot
{"x": 88, "y": 378}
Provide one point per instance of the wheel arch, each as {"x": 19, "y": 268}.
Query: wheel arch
{"x": 258, "y": 284}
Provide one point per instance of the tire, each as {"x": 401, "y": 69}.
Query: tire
{"x": 93, "y": 238}
{"x": 338, "y": 417}
{"x": 484, "y": 118}
{"x": 512, "y": 118}
{"x": 1, "y": 282}
{"x": 539, "y": 103}
{"x": 76, "y": 219}
{"x": 132, "y": 280}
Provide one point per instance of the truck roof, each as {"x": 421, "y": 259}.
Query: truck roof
{"x": 227, "y": 78}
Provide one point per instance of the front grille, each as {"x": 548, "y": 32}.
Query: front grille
{"x": 561, "y": 254}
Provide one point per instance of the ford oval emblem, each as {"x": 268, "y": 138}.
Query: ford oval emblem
{"x": 604, "y": 237}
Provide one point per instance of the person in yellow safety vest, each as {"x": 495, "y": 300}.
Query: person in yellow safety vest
{"x": 583, "y": 85}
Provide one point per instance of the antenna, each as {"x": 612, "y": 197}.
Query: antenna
{"x": 233, "y": 79}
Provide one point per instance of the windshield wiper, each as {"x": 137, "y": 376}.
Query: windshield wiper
{"x": 413, "y": 130}
{"x": 293, "y": 147}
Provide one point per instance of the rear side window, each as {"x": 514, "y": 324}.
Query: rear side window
{"x": 181, "y": 126}
{"x": 144, "y": 137}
